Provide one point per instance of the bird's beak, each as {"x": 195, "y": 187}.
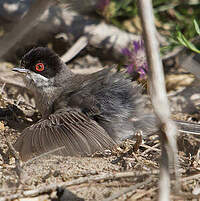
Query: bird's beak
{"x": 21, "y": 70}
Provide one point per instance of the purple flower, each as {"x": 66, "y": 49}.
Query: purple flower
{"x": 102, "y": 4}
{"x": 130, "y": 68}
{"x": 136, "y": 45}
{"x": 136, "y": 58}
{"x": 126, "y": 52}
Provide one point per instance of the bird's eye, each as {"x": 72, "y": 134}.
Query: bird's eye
{"x": 39, "y": 67}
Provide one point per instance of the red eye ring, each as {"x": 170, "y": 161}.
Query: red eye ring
{"x": 39, "y": 67}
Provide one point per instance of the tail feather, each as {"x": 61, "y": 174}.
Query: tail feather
{"x": 149, "y": 124}
{"x": 188, "y": 127}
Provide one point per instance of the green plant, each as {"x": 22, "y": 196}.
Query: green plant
{"x": 183, "y": 41}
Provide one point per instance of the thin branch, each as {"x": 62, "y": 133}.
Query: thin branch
{"x": 96, "y": 178}
{"x": 196, "y": 176}
{"x": 129, "y": 189}
{"x": 153, "y": 148}
{"x": 159, "y": 99}
{"x": 89, "y": 179}
{"x": 80, "y": 44}
{"x": 14, "y": 153}
{"x": 22, "y": 175}
{"x": 139, "y": 195}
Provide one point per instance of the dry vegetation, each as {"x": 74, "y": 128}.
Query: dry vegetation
{"x": 119, "y": 174}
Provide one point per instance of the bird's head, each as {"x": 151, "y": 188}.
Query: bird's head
{"x": 40, "y": 65}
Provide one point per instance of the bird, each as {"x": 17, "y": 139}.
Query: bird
{"x": 81, "y": 113}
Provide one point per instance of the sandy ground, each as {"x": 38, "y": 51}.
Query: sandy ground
{"x": 100, "y": 177}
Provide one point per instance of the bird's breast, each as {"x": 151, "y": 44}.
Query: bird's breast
{"x": 45, "y": 97}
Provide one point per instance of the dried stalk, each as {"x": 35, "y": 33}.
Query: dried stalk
{"x": 80, "y": 44}
{"x": 81, "y": 180}
{"x": 129, "y": 189}
{"x": 159, "y": 99}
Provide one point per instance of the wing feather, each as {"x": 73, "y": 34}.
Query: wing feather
{"x": 72, "y": 129}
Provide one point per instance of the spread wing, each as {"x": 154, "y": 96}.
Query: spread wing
{"x": 72, "y": 129}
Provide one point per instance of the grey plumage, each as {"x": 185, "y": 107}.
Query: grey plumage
{"x": 75, "y": 131}
{"x": 83, "y": 113}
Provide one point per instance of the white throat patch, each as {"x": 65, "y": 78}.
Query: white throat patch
{"x": 43, "y": 89}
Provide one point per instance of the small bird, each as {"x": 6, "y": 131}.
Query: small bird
{"x": 82, "y": 113}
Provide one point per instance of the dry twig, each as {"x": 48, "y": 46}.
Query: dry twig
{"x": 129, "y": 189}
{"x": 18, "y": 164}
{"x": 96, "y": 178}
{"x": 142, "y": 194}
{"x": 80, "y": 44}
{"x": 16, "y": 156}
{"x": 153, "y": 148}
{"x": 159, "y": 98}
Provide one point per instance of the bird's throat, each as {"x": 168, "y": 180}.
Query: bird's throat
{"x": 45, "y": 92}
